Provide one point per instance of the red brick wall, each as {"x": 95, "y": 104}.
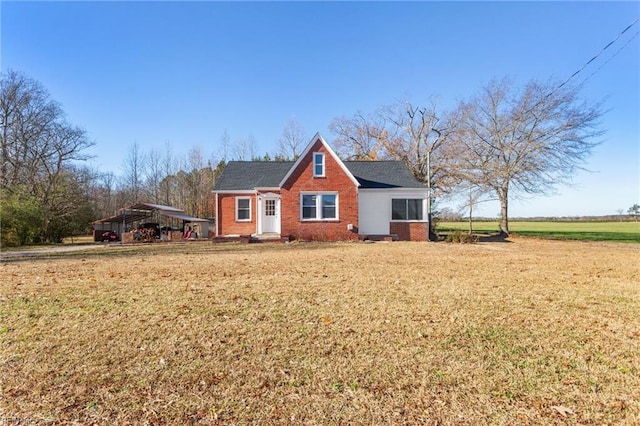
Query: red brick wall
{"x": 226, "y": 220}
{"x": 410, "y": 231}
{"x": 335, "y": 180}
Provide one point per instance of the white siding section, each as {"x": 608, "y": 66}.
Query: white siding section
{"x": 374, "y": 208}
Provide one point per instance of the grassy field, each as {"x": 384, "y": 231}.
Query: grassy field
{"x": 594, "y": 231}
{"x": 524, "y": 332}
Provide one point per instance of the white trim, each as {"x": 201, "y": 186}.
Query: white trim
{"x": 306, "y": 151}
{"x": 422, "y": 191}
{"x": 260, "y": 213}
{"x": 409, "y": 221}
{"x": 235, "y": 191}
{"x": 236, "y": 211}
{"x": 323, "y": 164}
{"x": 319, "y": 206}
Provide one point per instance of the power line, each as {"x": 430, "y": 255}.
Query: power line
{"x": 591, "y": 60}
{"x": 612, "y": 56}
{"x": 596, "y": 56}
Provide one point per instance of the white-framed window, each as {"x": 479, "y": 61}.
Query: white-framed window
{"x": 243, "y": 209}
{"x": 319, "y": 206}
{"x": 318, "y": 164}
{"x": 407, "y": 209}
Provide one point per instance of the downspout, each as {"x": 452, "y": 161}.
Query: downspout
{"x": 217, "y": 217}
{"x": 258, "y": 212}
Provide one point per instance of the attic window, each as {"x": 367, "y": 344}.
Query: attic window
{"x": 318, "y": 164}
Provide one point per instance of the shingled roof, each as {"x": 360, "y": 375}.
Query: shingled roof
{"x": 248, "y": 175}
{"x": 382, "y": 174}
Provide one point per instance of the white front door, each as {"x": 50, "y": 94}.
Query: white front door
{"x": 270, "y": 215}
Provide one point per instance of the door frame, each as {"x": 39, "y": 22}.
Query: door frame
{"x": 261, "y": 211}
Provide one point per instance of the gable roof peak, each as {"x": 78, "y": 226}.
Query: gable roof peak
{"x": 318, "y": 137}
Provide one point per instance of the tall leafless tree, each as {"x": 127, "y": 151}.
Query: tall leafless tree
{"x": 416, "y": 135}
{"x": 105, "y": 193}
{"x": 292, "y": 140}
{"x": 245, "y": 149}
{"x": 134, "y": 166}
{"x": 168, "y": 165}
{"x": 38, "y": 146}
{"x": 525, "y": 140}
{"x": 420, "y": 137}
{"x": 358, "y": 137}
{"x": 153, "y": 175}
{"x": 225, "y": 145}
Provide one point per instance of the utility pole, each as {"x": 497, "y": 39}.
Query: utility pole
{"x": 429, "y": 233}
{"x": 429, "y": 189}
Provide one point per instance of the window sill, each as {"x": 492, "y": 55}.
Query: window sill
{"x": 409, "y": 221}
{"x": 319, "y": 220}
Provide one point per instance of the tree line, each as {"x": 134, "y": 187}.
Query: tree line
{"x": 48, "y": 191}
{"x": 503, "y": 142}
{"x": 42, "y": 187}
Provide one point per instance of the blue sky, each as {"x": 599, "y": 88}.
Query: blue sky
{"x": 183, "y": 72}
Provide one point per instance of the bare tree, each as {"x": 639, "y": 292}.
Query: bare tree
{"x": 358, "y": 137}
{"x": 134, "y": 170}
{"x": 168, "y": 169}
{"x": 292, "y": 140}
{"x": 193, "y": 182}
{"x": 105, "y": 189}
{"x": 525, "y": 141}
{"x": 225, "y": 145}
{"x": 245, "y": 148}
{"x": 35, "y": 138}
{"x": 38, "y": 148}
{"x": 420, "y": 137}
{"x": 475, "y": 195}
{"x": 416, "y": 135}
{"x": 153, "y": 175}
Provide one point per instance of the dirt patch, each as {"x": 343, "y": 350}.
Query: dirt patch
{"x": 44, "y": 251}
{"x": 532, "y": 332}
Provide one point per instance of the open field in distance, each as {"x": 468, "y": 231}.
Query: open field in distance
{"x": 524, "y": 332}
{"x": 566, "y": 230}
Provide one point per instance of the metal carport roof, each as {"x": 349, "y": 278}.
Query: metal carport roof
{"x": 142, "y": 211}
{"x": 182, "y": 216}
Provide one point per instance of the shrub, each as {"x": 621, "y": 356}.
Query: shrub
{"x": 461, "y": 237}
{"x": 20, "y": 218}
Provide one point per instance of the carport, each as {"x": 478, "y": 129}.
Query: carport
{"x": 172, "y": 222}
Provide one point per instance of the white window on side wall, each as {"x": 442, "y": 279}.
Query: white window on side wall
{"x": 318, "y": 164}
{"x": 407, "y": 209}
{"x": 243, "y": 209}
{"x": 319, "y": 206}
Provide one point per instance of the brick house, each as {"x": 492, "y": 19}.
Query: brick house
{"x": 320, "y": 197}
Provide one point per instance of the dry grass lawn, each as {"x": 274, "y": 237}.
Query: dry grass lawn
{"x": 528, "y": 332}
